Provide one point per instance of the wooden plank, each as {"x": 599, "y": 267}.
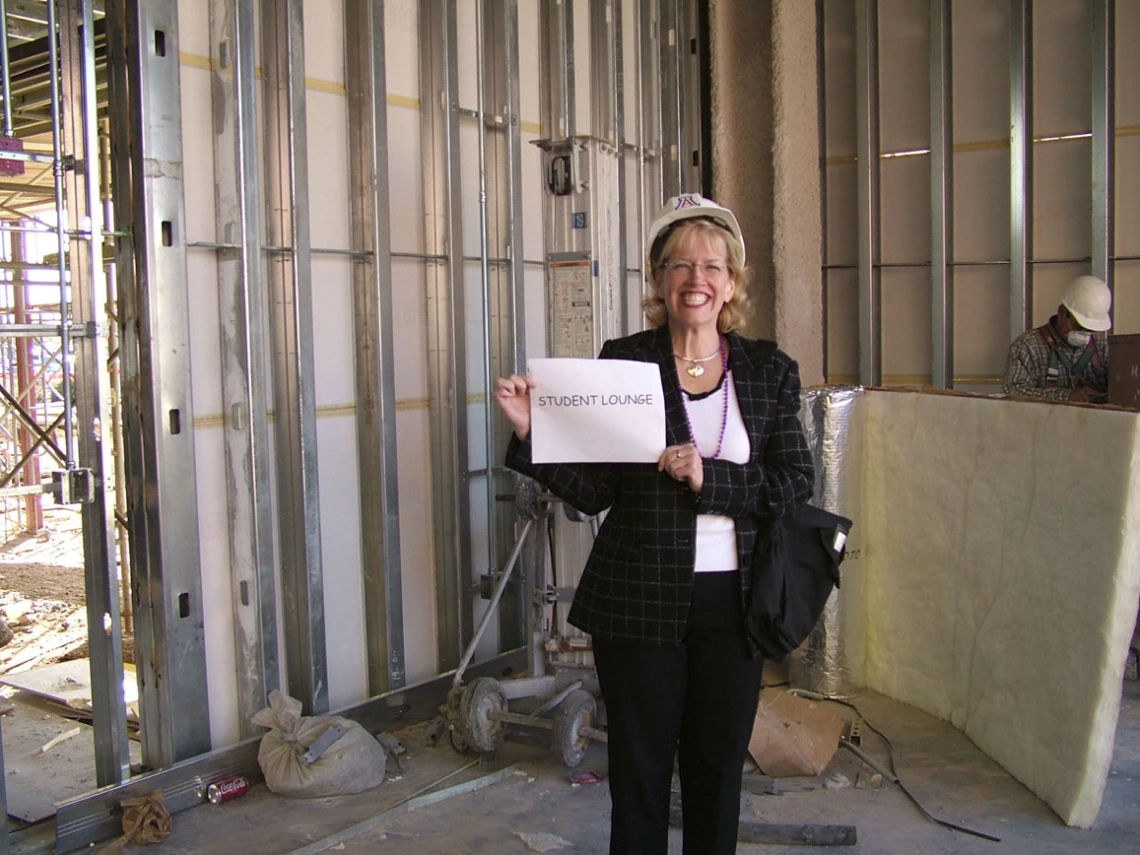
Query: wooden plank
{"x": 788, "y": 834}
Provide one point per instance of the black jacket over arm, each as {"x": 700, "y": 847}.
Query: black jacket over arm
{"x": 637, "y": 584}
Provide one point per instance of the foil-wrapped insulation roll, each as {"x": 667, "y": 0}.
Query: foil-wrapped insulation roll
{"x": 830, "y": 661}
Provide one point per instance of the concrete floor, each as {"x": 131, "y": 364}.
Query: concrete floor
{"x": 535, "y": 805}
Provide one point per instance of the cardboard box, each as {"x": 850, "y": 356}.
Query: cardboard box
{"x": 793, "y": 736}
{"x": 1124, "y": 371}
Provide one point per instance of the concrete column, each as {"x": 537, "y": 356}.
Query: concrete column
{"x": 765, "y": 163}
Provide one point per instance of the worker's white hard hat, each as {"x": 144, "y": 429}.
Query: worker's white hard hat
{"x": 1088, "y": 300}
{"x": 686, "y": 207}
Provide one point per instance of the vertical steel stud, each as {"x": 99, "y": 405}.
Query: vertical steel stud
{"x": 1020, "y": 166}
{"x": 867, "y": 155}
{"x": 291, "y": 304}
{"x": 245, "y": 374}
{"x": 941, "y": 193}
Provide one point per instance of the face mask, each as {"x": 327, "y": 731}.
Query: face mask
{"x": 1078, "y": 338}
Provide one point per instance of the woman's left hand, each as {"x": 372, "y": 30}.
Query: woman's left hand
{"x": 683, "y": 463}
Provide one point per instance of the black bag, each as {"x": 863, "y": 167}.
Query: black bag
{"x": 795, "y": 566}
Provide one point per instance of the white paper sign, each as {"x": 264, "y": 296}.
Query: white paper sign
{"x": 596, "y": 411}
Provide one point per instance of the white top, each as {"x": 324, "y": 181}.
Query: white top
{"x": 716, "y": 534}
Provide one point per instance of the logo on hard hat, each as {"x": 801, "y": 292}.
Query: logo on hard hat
{"x": 687, "y": 201}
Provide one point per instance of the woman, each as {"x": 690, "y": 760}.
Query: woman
{"x": 662, "y": 591}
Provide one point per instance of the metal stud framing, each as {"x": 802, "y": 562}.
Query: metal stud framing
{"x": 649, "y": 140}
{"x": 941, "y": 194}
{"x": 92, "y": 387}
{"x": 509, "y": 41}
{"x": 616, "y": 94}
{"x": 1103, "y": 138}
{"x": 375, "y": 361}
{"x": 1020, "y": 166}
{"x": 291, "y": 300}
{"x": 501, "y": 263}
{"x": 245, "y": 374}
{"x": 169, "y": 635}
{"x": 671, "y": 24}
{"x": 447, "y": 372}
{"x": 867, "y": 156}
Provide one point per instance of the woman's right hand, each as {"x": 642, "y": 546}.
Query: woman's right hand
{"x": 513, "y": 395}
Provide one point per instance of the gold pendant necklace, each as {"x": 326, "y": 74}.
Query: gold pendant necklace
{"x": 695, "y": 368}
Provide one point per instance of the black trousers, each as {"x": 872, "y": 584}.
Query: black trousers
{"x": 696, "y": 700}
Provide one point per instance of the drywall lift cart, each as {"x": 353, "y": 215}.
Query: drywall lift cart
{"x": 477, "y": 715}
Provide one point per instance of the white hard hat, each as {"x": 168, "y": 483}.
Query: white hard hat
{"x": 1088, "y": 300}
{"x": 690, "y": 205}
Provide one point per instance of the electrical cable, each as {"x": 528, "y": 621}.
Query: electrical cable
{"x": 815, "y": 696}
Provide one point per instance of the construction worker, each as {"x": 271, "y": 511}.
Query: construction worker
{"x": 1067, "y": 358}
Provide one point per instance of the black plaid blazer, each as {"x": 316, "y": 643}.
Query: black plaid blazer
{"x": 637, "y": 584}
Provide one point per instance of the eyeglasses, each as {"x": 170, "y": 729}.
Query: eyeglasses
{"x": 684, "y": 269}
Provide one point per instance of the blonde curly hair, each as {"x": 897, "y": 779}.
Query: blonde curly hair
{"x": 734, "y": 313}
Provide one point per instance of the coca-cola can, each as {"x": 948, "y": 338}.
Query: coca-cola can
{"x": 226, "y": 789}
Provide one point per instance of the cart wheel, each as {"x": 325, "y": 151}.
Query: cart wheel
{"x": 480, "y": 699}
{"x": 574, "y": 713}
{"x": 455, "y": 735}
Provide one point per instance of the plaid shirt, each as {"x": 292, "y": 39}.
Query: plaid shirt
{"x": 637, "y": 584}
{"x": 1027, "y": 366}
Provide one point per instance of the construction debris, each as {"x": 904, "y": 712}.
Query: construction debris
{"x": 54, "y": 741}
{"x": 540, "y": 841}
{"x": 793, "y": 736}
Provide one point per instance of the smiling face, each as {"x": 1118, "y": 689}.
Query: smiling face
{"x": 695, "y": 281}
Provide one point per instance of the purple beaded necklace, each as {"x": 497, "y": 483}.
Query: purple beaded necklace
{"x": 723, "y": 410}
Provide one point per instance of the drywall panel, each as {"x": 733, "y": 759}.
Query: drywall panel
{"x": 1062, "y": 67}
{"x": 416, "y": 541}
{"x": 193, "y": 29}
{"x": 1128, "y": 192}
{"x": 405, "y": 179}
{"x": 480, "y": 556}
{"x": 839, "y": 77}
{"x": 324, "y": 42}
{"x": 205, "y": 335}
{"x": 631, "y": 67}
{"x": 197, "y": 157}
{"x": 582, "y": 66}
{"x": 981, "y": 322}
{"x": 904, "y": 88}
{"x": 981, "y": 206}
{"x": 1126, "y": 298}
{"x": 990, "y": 608}
{"x": 1127, "y": 64}
{"x": 341, "y": 561}
{"x": 468, "y": 180}
{"x": 905, "y": 210}
{"x": 1062, "y": 199}
{"x": 334, "y": 348}
{"x": 842, "y": 197}
{"x": 535, "y": 284}
{"x": 466, "y": 45}
{"x": 329, "y": 226}
{"x": 401, "y": 52}
{"x": 529, "y": 59}
{"x": 906, "y": 311}
{"x": 842, "y": 330}
{"x": 409, "y": 331}
{"x": 980, "y": 44}
{"x": 217, "y": 611}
